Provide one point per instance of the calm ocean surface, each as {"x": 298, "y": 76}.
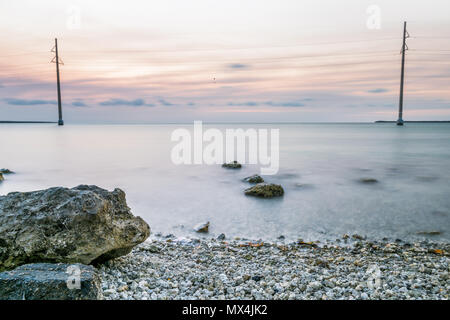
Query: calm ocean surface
{"x": 320, "y": 165}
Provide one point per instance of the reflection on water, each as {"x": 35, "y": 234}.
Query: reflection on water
{"x": 321, "y": 165}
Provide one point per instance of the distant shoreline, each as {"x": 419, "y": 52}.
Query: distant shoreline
{"x": 28, "y": 122}
{"x": 385, "y": 121}
{"x": 220, "y": 123}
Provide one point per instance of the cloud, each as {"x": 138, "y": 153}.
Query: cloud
{"x": 285, "y": 104}
{"x": 378, "y": 90}
{"x": 268, "y": 103}
{"x": 24, "y": 102}
{"x": 135, "y": 102}
{"x": 245, "y": 104}
{"x": 123, "y": 102}
{"x": 78, "y": 104}
{"x": 238, "y": 66}
{"x": 165, "y": 102}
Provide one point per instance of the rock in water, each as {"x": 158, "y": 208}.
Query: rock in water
{"x": 232, "y": 165}
{"x": 1, "y": 177}
{"x": 368, "y": 180}
{"x": 429, "y": 233}
{"x": 254, "y": 179}
{"x": 5, "y": 171}
{"x": 265, "y": 190}
{"x": 47, "y": 281}
{"x": 85, "y": 224}
{"x": 202, "y": 227}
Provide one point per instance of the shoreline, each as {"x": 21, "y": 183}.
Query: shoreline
{"x": 354, "y": 268}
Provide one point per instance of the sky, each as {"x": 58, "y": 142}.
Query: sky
{"x": 177, "y": 61}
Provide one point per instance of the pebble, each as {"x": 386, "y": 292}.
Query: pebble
{"x": 159, "y": 269}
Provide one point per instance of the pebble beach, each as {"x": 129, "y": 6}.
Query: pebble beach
{"x": 348, "y": 268}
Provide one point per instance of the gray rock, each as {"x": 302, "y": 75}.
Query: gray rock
{"x": 254, "y": 179}
{"x": 256, "y": 278}
{"x": 202, "y": 227}
{"x": 221, "y": 237}
{"x": 265, "y": 190}
{"x": 85, "y": 224}
{"x": 46, "y": 281}
{"x": 232, "y": 165}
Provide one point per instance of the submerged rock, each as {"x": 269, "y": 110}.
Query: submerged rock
{"x": 47, "y": 281}
{"x": 368, "y": 180}
{"x": 232, "y": 165}
{"x": 221, "y": 237}
{"x": 358, "y": 237}
{"x": 85, "y": 224}
{"x": 265, "y": 190}
{"x": 202, "y": 227}
{"x": 304, "y": 186}
{"x": 427, "y": 178}
{"x": 429, "y": 233}
{"x": 254, "y": 179}
{"x": 5, "y": 171}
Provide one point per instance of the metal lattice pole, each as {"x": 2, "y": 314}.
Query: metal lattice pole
{"x": 58, "y": 85}
{"x": 402, "y": 79}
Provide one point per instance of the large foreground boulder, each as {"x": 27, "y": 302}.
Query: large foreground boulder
{"x": 47, "y": 281}
{"x": 85, "y": 224}
{"x": 265, "y": 190}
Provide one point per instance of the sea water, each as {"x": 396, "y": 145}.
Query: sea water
{"x": 320, "y": 170}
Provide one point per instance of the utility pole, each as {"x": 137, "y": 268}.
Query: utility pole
{"x": 400, "y": 104}
{"x": 58, "y": 61}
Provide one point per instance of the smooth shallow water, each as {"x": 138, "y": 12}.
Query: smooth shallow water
{"x": 319, "y": 168}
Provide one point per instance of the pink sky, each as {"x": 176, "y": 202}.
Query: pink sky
{"x": 179, "y": 61}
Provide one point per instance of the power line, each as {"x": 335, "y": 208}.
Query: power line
{"x": 209, "y": 49}
{"x": 225, "y": 49}
{"x": 253, "y": 60}
{"x": 23, "y": 54}
{"x": 295, "y": 58}
{"x": 336, "y": 64}
{"x": 427, "y": 37}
